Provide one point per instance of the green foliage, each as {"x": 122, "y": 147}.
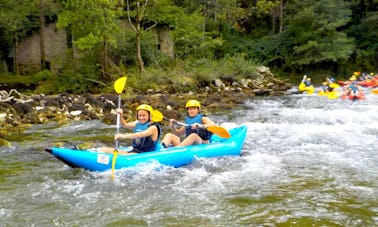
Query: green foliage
{"x": 191, "y": 39}
{"x": 190, "y": 75}
{"x": 366, "y": 34}
{"x": 163, "y": 12}
{"x": 33, "y": 79}
{"x": 212, "y": 39}
{"x": 312, "y": 38}
{"x": 91, "y": 22}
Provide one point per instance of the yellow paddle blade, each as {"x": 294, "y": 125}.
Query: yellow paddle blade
{"x": 374, "y": 91}
{"x": 219, "y": 131}
{"x": 157, "y": 116}
{"x": 119, "y": 84}
{"x": 114, "y": 160}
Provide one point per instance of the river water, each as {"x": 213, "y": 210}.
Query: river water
{"x": 307, "y": 161}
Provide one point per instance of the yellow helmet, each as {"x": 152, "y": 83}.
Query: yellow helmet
{"x": 145, "y": 107}
{"x": 353, "y": 78}
{"x": 193, "y": 103}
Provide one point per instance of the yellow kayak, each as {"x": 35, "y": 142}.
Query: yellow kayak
{"x": 330, "y": 94}
{"x": 309, "y": 90}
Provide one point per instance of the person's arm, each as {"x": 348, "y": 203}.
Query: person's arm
{"x": 177, "y": 131}
{"x": 206, "y": 122}
{"x": 150, "y": 131}
{"x": 304, "y": 78}
{"x": 124, "y": 124}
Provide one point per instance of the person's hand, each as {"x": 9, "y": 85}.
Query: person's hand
{"x": 196, "y": 125}
{"x": 119, "y": 111}
{"x": 119, "y": 136}
{"x": 171, "y": 122}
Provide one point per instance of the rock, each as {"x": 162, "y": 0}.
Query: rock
{"x": 23, "y": 108}
{"x": 3, "y": 117}
{"x": 5, "y": 143}
{"x": 76, "y": 112}
{"x": 218, "y": 83}
{"x": 15, "y": 94}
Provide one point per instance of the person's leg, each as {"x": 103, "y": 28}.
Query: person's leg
{"x": 191, "y": 139}
{"x": 170, "y": 139}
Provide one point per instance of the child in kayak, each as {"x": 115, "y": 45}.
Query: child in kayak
{"x": 353, "y": 90}
{"x": 194, "y": 131}
{"x": 305, "y": 85}
{"x": 145, "y": 136}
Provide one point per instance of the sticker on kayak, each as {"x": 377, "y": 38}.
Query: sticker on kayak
{"x": 103, "y": 159}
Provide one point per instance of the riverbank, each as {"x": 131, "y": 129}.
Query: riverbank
{"x": 18, "y": 111}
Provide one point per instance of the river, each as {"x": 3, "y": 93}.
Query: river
{"x": 307, "y": 161}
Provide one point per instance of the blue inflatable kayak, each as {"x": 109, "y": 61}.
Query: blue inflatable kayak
{"x": 175, "y": 156}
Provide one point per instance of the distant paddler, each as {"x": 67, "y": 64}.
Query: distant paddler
{"x": 306, "y": 86}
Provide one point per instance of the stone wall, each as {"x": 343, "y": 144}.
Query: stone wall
{"x": 29, "y": 54}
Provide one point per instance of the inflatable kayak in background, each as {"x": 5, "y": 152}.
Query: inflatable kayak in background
{"x": 353, "y": 97}
{"x": 330, "y": 94}
{"x": 174, "y": 156}
{"x": 306, "y": 89}
{"x": 369, "y": 83}
{"x": 344, "y": 83}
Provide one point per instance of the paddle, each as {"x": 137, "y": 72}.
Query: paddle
{"x": 215, "y": 129}
{"x": 119, "y": 85}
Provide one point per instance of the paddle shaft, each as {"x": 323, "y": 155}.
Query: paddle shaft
{"x": 119, "y": 85}
{"x": 118, "y": 120}
{"x": 215, "y": 129}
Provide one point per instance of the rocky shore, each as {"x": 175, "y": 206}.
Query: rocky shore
{"x": 18, "y": 111}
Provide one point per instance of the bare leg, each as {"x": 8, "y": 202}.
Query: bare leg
{"x": 171, "y": 139}
{"x": 191, "y": 139}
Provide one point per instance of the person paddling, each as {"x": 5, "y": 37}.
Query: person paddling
{"x": 194, "y": 131}
{"x": 145, "y": 136}
{"x": 353, "y": 89}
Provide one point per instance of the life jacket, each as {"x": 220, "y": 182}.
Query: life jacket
{"x": 325, "y": 88}
{"x": 203, "y": 133}
{"x": 307, "y": 83}
{"x": 145, "y": 144}
{"x": 353, "y": 86}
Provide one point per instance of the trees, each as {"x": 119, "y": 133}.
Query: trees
{"x": 313, "y": 37}
{"x": 147, "y": 14}
{"x": 92, "y": 24}
{"x": 295, "y": 35}
{"x": 17, "y": 18}
{"x": 364, "y": 29}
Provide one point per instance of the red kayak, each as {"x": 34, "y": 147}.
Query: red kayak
{"x": 353, "y": 97}
{"x": 368, "y": 83}
{"x": 343, "y": 83}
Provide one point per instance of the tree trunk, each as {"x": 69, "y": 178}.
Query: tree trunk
{"x": 139, "y": 53}
{"x": 138, "y": 34}
{"x": 281, "y": 15}
{"x": 41, "y": 33}
{"x": 104, "y": 64}
{"x": 273, "y": 16}
{"x": 15, "y": 60}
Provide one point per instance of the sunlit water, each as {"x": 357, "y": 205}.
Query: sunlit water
{"x": 307, "y": 161}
